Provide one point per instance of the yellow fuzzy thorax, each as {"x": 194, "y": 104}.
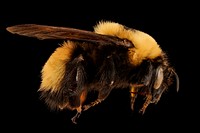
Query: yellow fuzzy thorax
{"x": 145, "y": 47}
{"x": 54, "y": 69}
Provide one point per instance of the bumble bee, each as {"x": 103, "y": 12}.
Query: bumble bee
{"x": 113, "y": 56}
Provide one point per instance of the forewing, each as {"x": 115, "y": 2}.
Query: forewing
{"x": 53, "y": 32}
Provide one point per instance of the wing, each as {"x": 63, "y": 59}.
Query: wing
{"x": 53, "y": 32}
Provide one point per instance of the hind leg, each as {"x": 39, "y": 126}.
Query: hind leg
{"x": 102, "y": 95}
{"x": 81, "y": 100}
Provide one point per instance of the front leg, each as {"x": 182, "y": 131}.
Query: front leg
{"x": 146, "y": 103}
{"x": 134, "y": 93}
{"x": 103, "y": 94}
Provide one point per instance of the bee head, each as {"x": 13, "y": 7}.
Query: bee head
{"x": 163, "y": 75}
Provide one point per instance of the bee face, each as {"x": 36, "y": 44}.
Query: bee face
{"x": 164, "y": 77}
{"x": 154, "y": 76}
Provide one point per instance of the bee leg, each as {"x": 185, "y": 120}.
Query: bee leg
{"x": 147, "y": 102}
{"x": 103, "y": 94}
{"x": 86, "y": 107}
{"x": 133, "y": 93}
{"x": 157, "y": 94}
{"x": 78, "y": 113}
{"x": 81, "y": 100}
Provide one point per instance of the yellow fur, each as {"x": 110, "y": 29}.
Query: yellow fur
{"x": 145, "y": 46}
{"x": 54, "y": 69}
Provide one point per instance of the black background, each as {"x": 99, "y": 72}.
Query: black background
{"x": 173, "y": 26}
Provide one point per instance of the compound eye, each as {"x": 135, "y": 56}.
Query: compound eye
{"x": 159, "y": 79}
